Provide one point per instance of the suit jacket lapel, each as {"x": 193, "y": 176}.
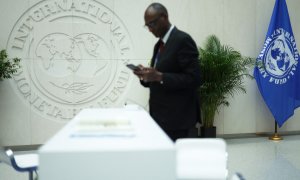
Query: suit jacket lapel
{"x": 171, "y": 38}
{"x": 156, "y": 47}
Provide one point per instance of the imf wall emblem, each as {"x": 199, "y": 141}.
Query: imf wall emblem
{"x": 73, "y": 54}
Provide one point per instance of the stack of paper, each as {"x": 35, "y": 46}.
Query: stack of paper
{"x": 104, "y": 128}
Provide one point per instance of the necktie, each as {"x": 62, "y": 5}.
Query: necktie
{"x": 161, "y": 46}
{"x": 160, "y": 49}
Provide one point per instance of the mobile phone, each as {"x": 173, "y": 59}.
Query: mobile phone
{"x": 132, "y": 67}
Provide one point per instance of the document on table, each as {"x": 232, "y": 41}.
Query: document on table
{"x": 103, "y": 128}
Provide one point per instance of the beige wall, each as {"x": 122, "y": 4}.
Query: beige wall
{"x": 72, "y": 59}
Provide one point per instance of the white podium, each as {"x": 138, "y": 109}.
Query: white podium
{"x": 109, "y": 144}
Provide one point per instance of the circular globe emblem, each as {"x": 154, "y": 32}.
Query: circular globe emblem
{"x": 279, "y": 58}
{"x": 73, "y": 55}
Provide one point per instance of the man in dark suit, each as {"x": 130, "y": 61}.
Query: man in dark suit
{"x": 173, "y": 77}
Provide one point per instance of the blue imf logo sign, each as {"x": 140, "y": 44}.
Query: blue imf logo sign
{"x": 276, "y": 72}
{"x": 279, "y": 57}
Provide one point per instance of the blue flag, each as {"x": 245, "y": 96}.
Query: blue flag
{"x": 277, "y": 73}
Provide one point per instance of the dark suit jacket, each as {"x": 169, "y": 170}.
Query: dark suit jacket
{"x": 174, "y": 105}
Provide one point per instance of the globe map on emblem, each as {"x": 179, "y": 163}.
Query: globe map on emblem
{"x": 62, "y": 55}
{"x": 278, "y": 53}
{"x": 73, "y": 66}
{"x": 279, "y": 59}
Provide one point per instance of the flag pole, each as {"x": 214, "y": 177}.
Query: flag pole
{"x": 276, "y": 136}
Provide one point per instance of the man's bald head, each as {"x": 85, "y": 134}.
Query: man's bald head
{"x": 156, "y": 19}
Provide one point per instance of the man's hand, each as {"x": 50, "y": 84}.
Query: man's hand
{"x": 139, "y": 72}
{"x": 148, "y": 74}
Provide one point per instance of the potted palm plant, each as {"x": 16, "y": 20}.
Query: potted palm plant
{"x": 8, "y": 66}
{"x": 222, "y": 73}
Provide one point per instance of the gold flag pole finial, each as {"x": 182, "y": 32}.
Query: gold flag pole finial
{"x": 276, "y": 136}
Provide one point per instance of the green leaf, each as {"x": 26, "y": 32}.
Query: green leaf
{"x": 8, "y": 66}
